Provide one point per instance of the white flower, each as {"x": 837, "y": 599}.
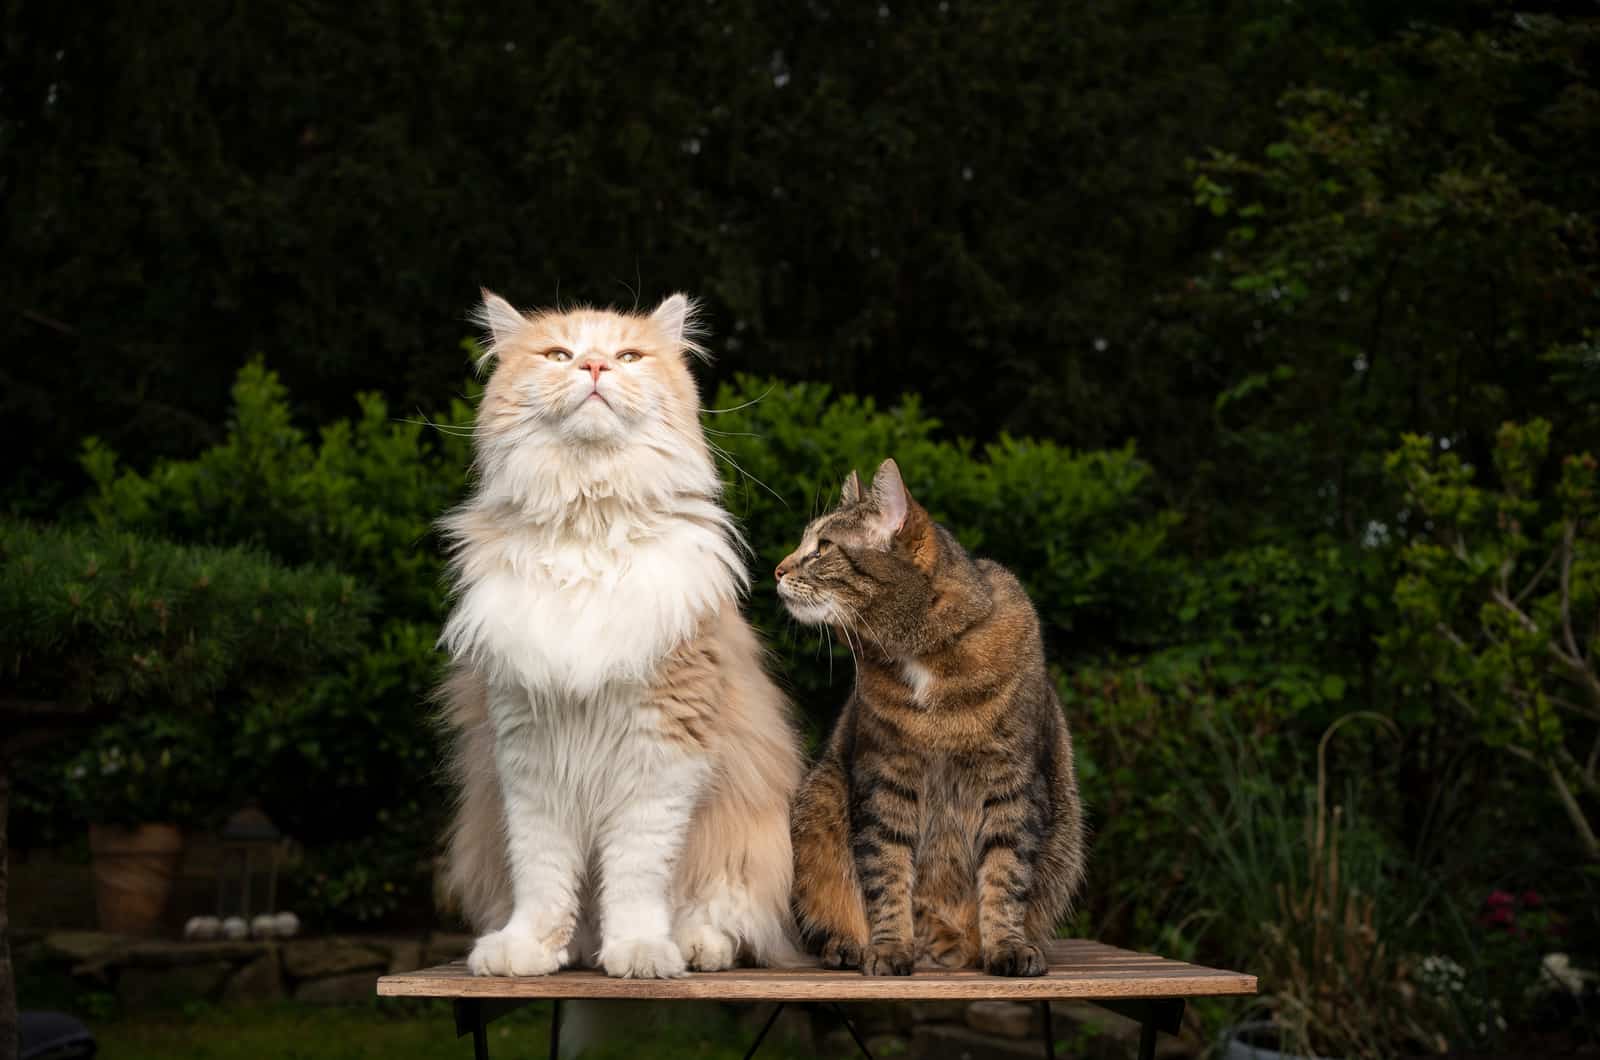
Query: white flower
{"x": 1556, "y": 974}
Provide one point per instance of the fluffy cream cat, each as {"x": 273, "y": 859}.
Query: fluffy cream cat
{"x": 625, "y": 763}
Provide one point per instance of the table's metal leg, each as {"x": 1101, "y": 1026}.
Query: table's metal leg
{"x": 1049, "y": 1032}
{"x": 851, "y": 1027}
{"x": 474, "y": 1014}
{"x": 555, "y": 1029}
{"x": 470, "y": 1020}
{"x": 765, "y": 1027}
{"x": 1153, "y": 1016}
{"x": 1147, "y": 1039}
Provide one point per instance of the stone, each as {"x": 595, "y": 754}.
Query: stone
{"x": 938, "y": 1011}
{"x": 871, "y": 1017}
{"x": 173, "y": 954}
{"x": 260, "y": 980}
{"x": 793, "y": 1027}
{"x": 167, "y": 955}
{"x": 1006, "y": 1019}
{"x": 80, "y": 946}
{"x": 150, "y": 987}
{"x": 404, "y": 956}
{"x": 944, "y": 1041}
{"x": 443, "y": 948}
{"x": 320, "y": 958}
{"x": 886, "y": 1045}
{"x": 338, "y": 989}
{"x": 1100, "y": 1034}
{"x": 838, "y": 1042}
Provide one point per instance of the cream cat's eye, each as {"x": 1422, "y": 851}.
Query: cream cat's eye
{"x": 558, "y": 355}
{"x": 629, "y": 356}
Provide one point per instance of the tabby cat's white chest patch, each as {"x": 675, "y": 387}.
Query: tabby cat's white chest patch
{"x": 920, "y": 678}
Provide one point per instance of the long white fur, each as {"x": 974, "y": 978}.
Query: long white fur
{"x": 592, "y": 546}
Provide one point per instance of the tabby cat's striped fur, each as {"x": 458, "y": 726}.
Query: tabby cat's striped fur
{"x": 942, "y": 821}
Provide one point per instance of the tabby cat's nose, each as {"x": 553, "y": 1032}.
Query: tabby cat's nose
{"x": 783, "y": 568}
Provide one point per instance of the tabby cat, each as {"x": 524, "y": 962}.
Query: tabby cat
{"x": 942, "y": 821}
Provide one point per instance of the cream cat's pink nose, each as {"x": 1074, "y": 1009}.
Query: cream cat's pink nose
{"x": 594, "y": 368}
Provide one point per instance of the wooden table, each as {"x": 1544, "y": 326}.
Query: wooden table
{"x": 1144, "y": 987}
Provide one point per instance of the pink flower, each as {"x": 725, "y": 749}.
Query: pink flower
{"x": 1499, "y": 900}
{"x": 1531, "y": 899}
{"x": 1499, "y": 916}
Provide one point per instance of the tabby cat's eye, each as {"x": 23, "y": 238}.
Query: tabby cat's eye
{"x": 557, "y": 354}
{"x": 629, "y": 356}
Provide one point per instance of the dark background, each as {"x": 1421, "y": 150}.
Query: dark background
{"x": 987, "y": 204}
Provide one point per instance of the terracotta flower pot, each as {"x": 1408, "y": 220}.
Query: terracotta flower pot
{"x": 134, "y": 869}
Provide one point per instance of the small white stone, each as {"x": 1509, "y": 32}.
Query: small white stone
{"x": 288, "y": 925}
{"x": 264, "y": 926}
{"x": 235, "y": 928}
{"x": 202, "y": 928}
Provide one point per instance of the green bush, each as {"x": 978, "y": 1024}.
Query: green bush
{"x": 1497, "y": 600}
{"x": 362, "y": 496}
{"x": 1082, "y": 530}
{"x": 199, "y": 657}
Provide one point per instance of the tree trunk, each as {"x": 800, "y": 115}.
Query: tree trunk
{"x": 8, "y": 981}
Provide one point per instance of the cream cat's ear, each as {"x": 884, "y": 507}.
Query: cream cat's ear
{"x": 672, "y": 316}
{"x": 676, "y": 317}
{"x": 890, "y": 496}
{"x": 500, "y": 319}
{"x": 850, "y": 492}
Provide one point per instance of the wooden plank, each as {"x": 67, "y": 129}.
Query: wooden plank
{"x": 1079, "y": 969}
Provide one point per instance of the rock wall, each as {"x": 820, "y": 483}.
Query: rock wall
{"x": 144, "y": 972}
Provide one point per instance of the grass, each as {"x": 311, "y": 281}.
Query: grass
{"x": 396, "y": 1030}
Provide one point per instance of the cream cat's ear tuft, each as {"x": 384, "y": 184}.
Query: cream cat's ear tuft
{"x": 889, "y": 493}
{"x": 678, "y": 317}
{"x": 850, "y": 492}
{"x": 500, "y": 319}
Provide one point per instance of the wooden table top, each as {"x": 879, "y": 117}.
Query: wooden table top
{"x": 1079, "y": 969}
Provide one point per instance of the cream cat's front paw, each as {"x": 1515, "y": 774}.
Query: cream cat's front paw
{"x": 510, "y": 952}
{"x": 707, "y": 948}
{"x": 643, "y": 959}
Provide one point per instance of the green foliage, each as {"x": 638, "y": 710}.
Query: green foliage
{"x": 1080, "y": 529}
{"x": 1499, "y": 594}
{"x": 199, "y": 655}
{"x": 362, "y": 496}
{"x": 1313, "y": 897}
{"x": 963, "y": 198}
{"x": 1396, "y": 261}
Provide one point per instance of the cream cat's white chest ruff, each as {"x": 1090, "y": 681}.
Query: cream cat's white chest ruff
{"x": 576, "y": 617}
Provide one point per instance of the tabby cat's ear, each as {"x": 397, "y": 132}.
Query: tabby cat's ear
{"x": 890, "y": 496}
{"x": 500, "y": 319}
{"x": 850, "y": 492}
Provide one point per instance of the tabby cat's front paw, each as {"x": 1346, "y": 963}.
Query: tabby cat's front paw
{"x": 1014, "y": 958}
{"x": 888, "y": 958}
{"x": 643, "y": 959}
{"x": 841, "y": 953}
{"x": 510, "y": 952}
